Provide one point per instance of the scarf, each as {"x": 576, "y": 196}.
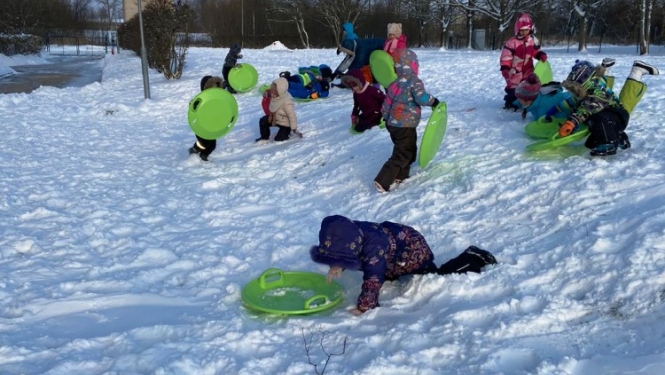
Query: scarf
{"x": 391, "y": 46}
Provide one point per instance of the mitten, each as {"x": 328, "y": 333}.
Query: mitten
{"x": 505, "y": 72}
{"x": 297, "y": 133}
{"x": 567, "y": 128}
{"x": 542, "y": 56}
{"x": 435, "y": 103}
{"x": 354, "y": 119}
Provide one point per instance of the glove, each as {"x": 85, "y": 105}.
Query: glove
{"x": 505, "y": 72}
{"x": 354, "y": 119}
{"x": 547, "y": 119}
{"x": 435, "y": 103}
{"x": 297, "y": 133}
{"x": 542, "y": 56}
{"x": 567, "y": 128}
{"x": 238, "y": 65}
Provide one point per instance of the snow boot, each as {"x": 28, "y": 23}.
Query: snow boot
{"x": 606, "y": 149}
{"x": 624, "y": 142}
{"x": 651, "y": 70}
{"x": 608, "y": 62}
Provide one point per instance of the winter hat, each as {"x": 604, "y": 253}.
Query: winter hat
{"x": 524, "y": 21}
{"x": 340, "y": 243}
{"x": 406, "y": 62}
{"x": 529, "y": 88}
{"x": 354, "y": 78}
{"x": 395, "y": 28}
{"x": 326, "y": 72}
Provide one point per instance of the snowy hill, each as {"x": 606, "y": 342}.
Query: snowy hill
{"x": 120, "y": 254}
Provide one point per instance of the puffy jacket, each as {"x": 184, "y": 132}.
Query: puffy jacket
{"x": 406, "y": 94}
{"x": 518, "y": 53}
{"x": 383, "y": 252}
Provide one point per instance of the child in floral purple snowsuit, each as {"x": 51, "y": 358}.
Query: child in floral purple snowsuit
{"x": 401, "y": 111}
{"x": 383, "y": 252}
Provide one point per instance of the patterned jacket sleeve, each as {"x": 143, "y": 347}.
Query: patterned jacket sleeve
{"x": 591, "y": 104}
{"x": 374, "y": 271}
{"x": 420, "y": 96}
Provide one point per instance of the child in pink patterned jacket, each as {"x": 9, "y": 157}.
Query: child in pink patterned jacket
{"x": 517, "y": 56}
{"x": 401, "y": 111}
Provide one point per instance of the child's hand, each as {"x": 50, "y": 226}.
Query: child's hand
{"x": 354, "y": 119}
{"x": 334, "y": 271}
{"x": 356, "y": 312}
{"x": 297, "y": 133}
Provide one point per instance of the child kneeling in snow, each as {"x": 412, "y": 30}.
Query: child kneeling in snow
{"x": 384, "y": 252}
{"x": 281, "y": 113}
{"x": 367, "y": 101}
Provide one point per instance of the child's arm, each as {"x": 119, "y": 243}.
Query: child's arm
{"x": 422, "y": 97}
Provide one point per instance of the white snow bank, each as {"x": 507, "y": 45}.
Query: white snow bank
{"x": 277, "y": 46}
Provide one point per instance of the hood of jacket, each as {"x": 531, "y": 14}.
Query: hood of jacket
{"x": 406, "y": 63}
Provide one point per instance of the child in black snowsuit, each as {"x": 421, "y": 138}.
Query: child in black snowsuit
{"x": 230, "y": 62}
{"x": 204, "y": 147}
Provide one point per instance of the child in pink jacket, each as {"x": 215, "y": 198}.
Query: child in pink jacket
{"x": 396, "y": 39}
{"x": 517, "y": 56}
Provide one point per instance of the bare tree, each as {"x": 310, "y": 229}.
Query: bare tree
{"x": 585, "y": 9}
{"x": 443, "y": 12}
{"x": 646, "y": 8}
{"x": 332, "y": 13}
{"x": 292, "y": 11}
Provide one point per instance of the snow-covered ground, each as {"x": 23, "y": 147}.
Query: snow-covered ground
{"x": 121, "y": 254}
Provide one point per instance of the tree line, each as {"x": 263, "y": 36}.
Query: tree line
{"x": 317, "y": 23}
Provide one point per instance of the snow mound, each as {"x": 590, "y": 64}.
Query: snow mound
{"x": 277, "y": 46}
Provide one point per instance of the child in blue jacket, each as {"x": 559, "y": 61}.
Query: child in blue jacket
{"x": 384, "y": 252}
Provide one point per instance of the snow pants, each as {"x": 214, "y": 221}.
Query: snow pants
{"x": 404, "y": 154}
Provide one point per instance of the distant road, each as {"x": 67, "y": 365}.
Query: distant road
{"x": 64, "y": 71}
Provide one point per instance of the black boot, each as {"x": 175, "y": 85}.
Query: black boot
{"x": 624, "y": 142}
{"x": 472, "y": 259}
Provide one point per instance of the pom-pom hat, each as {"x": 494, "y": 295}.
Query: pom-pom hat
{"x": 529, "y": 88}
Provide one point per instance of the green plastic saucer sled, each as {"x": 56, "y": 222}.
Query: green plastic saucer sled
{"x": 383, "y": 67}
{"x": 212, "y": 113}
{"x": 433, "y": 137}
{"x": 264, "y": 87}
{"x": 382, "y": 125}
{"x": 544, "y": 72}
{"x": 291, "y": 293}
{"x": 243, "y": 78}
{"x": 548, "y": 132}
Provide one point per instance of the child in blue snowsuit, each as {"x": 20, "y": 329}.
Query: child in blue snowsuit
{"x": 357, "y": 51}
{"x": 310, "y": 82}
{"x": 539, "y": 100}
{"x": 384, "y": 252}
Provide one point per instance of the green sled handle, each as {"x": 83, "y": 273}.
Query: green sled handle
{"x": 272, "y": 276}
{"x": 315, "y": 298}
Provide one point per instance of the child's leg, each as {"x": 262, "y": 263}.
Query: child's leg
{"x": 264, "y": 128}
{"x": 631, "y": 94}
{"x": 472, "y": 259}
{"x": 401, "y": 158}
{"x": 283, "y": 133}
{"x": 203, "y": 147}
{"x": 604, "y": 129}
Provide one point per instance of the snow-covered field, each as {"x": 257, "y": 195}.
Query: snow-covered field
{"x": 120, "y": 254}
